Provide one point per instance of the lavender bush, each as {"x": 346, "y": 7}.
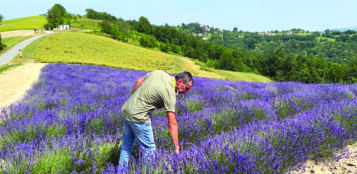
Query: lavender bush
{"x": 69, "y": 123}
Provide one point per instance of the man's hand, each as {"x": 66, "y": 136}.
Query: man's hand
{"x": 173, "y": 127}
{"x": 177, "y": 151}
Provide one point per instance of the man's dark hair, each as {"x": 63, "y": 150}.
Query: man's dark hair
{"x": 185, "y": 76}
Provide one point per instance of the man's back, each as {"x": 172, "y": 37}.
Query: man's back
{"x": 156, "y": 91}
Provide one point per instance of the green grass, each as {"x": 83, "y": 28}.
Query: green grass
{"x": 86, "y": 24}
{"x": 9, "y": 42}
{"x": 242, "y": 76}
{"x": 53, "y": 162}
{"x": 84, "y": 48}
{"x": 27, "y": 23}
{"x": 7, "y": 67}
{"x": 326, "y": 39}
{"x": 28, "y": 53}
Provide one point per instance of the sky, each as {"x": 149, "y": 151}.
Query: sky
{"x": 246, "y": 15}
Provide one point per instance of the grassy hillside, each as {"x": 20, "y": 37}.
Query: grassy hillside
{"x": 84, "y": 48}
{"x": 198, "y": 68}
{"x": 84, "y": 24}
{"x": 91, "y": 49}
{"x": 243, "y": 76}
{"x": 27, "y": 23}
{"x": 9, "y": 42}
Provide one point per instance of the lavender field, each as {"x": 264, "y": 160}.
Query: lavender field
{"x": 69, "y": 123}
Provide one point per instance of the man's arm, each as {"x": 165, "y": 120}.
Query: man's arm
{"x": 138, "y": 82}
{"x": 173, "y": 127}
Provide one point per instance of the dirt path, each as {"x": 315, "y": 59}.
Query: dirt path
{"x": 346, "y": 165}
{"x": 7, "y": 34}
{"x": 15, "y": 82}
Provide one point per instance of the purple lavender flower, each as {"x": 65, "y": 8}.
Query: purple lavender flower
{"x": 71, "y": 118}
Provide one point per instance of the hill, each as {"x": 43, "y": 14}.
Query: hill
{"x": 27, "y": 23}
{"x": 82, "y": 48}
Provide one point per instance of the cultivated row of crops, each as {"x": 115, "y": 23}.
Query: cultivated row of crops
{"x": 69, "y": 123}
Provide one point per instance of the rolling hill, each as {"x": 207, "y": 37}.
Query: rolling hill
{"x": 82, "y": 48}
{"x": 27, "y": 23}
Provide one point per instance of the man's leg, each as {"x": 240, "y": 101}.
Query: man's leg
{"x": 145, "y": 136}
{"x": 127, "y": 145}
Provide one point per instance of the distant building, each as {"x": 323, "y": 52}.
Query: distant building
{"x": 63, "y": 27}
{"x": 206, "y": 27}
{"x": 266, "y": 33}
{"x": 199, "y": 34}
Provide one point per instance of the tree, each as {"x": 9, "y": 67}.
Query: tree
{"x": 55, "y": 16}
{"x": 337, "y": 73}
{"x": 225, "y": 61}
{"x": 235, "y": 29}
{"x": 251, "y": 40}
{"x": 2, "y": 46}
{"x": 91, "y": 14}
{"x": 57, "y": 11}
{"x": 144, "y": 25}
{"x": 107, "y": 27}
{"x": 148, "y": 41}
{"x": 164, "y": 48}
{"x": 352, "y": 65}
{"x": 188, "y": 51}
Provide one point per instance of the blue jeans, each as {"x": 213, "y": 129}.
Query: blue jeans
{"x": 132, "y": 131}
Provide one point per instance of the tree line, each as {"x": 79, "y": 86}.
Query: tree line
{"x": 2, "y": 46}
{"x": 309, "y": 57}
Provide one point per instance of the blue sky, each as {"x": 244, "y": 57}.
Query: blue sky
{"x": 247, "y": 15}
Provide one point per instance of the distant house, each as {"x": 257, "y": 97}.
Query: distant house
{"x": 206, "y": 27}
{"x": 266, "y": 33}
{"x": 199, "y": 34}
{"x": 63, "y": 27}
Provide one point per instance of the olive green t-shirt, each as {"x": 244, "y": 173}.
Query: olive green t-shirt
{"x": 155, "y": 92}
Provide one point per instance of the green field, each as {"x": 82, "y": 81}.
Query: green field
{"x": 9, "y": 42}
{"x": 242, "y": 76}
{"x": 27, "y": 23}
{"x": 84, "y": 48}
{"x": 86, "y": 24}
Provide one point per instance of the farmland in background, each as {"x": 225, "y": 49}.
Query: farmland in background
{"x": 82, "y": 48}
{"x": 27, "y": 23}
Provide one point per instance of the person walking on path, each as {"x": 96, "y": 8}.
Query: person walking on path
{"x": 155, "y": 90}
{"x": 6, "y": 57}
{"x": 20, "y": 54}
